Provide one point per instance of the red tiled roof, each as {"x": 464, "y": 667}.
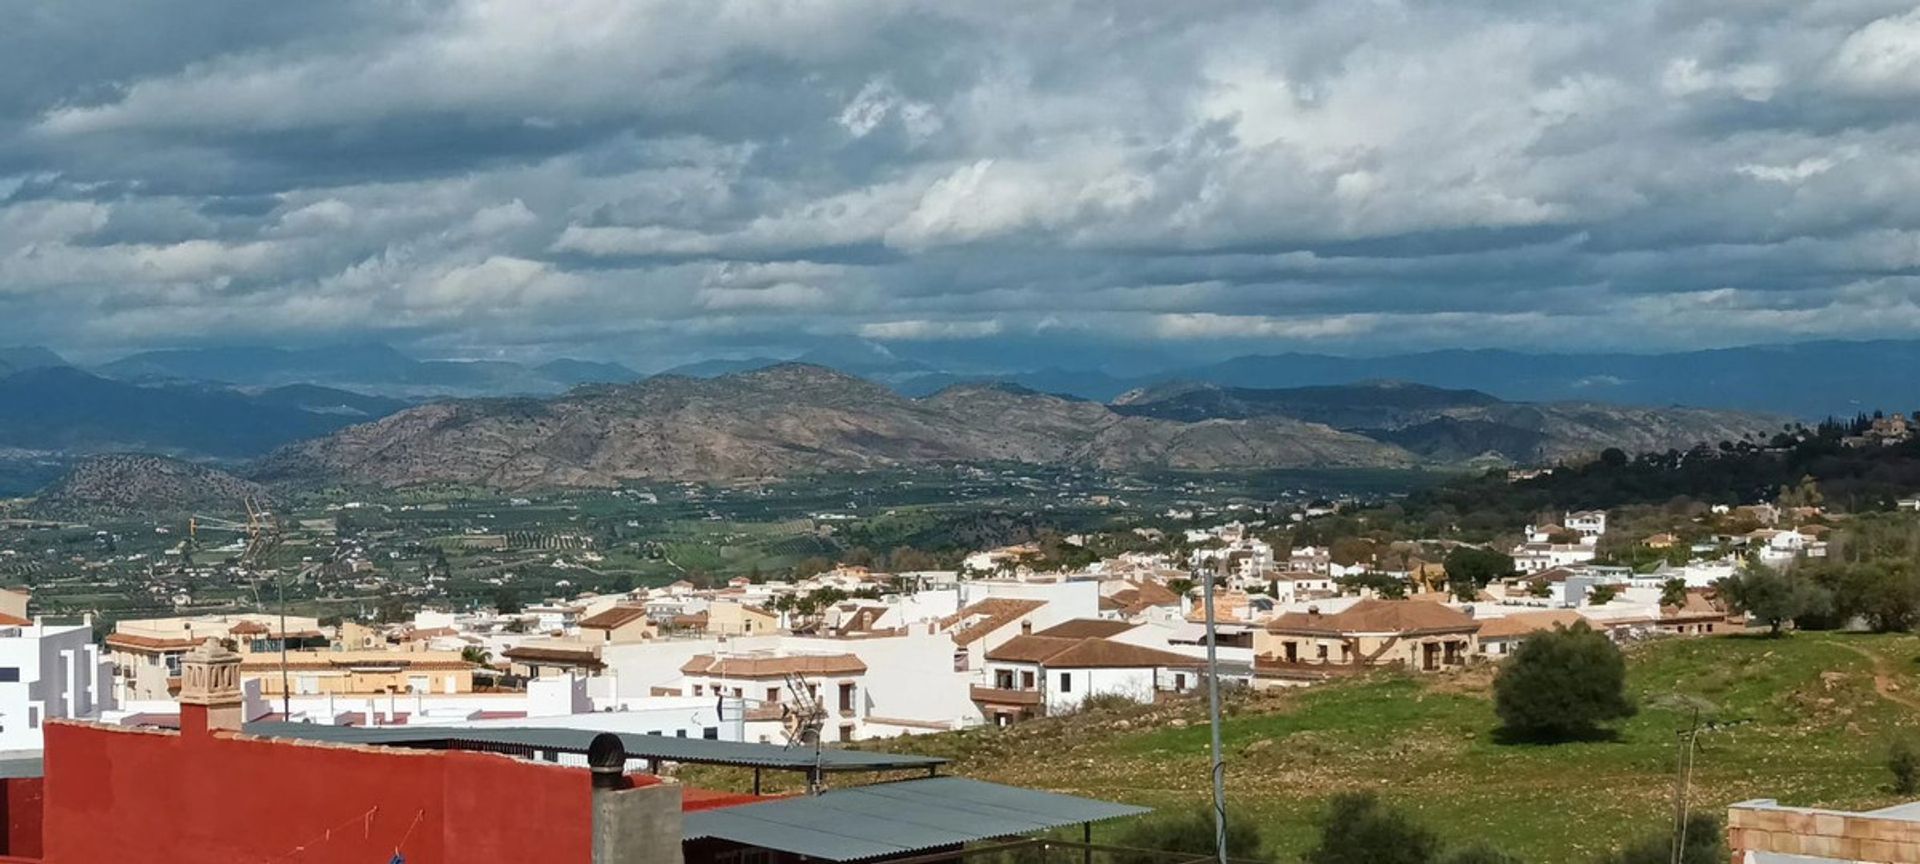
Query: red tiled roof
{"x": 973, "y": 623}
{"x": 1086, "y": 628}
{"x": 615, "y": 618}
{"x": 774, "y": 666}
{"x": 1404, "y": 617}
{"x": 1087, "y": 653}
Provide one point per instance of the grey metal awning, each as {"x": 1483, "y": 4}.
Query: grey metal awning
{"x": 901, "y": 818}
{"x": 695, "y": 751}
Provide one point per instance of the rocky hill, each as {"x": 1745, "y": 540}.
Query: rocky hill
{"x": 792, "y": 419}
{"x": 786, "y": 420}
{"x": 126, "y": 484}
{"x": 1454, "y": 425}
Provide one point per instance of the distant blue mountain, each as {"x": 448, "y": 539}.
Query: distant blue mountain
{"x": 369, "y": 367}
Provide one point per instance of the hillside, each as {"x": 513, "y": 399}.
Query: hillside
{"x": 126, "y": 484}
{"x": 66, "y": 410}
{"x": 785, "y": 420}
{"x": 1813, "y": 712}
{"x": 1453, "y": 425}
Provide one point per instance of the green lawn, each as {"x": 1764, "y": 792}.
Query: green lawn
{"x": 1804, "y": 725}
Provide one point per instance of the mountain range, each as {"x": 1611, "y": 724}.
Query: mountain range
{"x": 1808, "y": 380}
{"x": 372, "y": 368}
{"x": 66, "y": 410}
{"x": 792, "y": 419}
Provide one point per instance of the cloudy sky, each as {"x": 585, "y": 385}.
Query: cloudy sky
{"x": 656, "y": 181}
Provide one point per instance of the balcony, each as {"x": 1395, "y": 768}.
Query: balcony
{"x": 1000, "y": 696}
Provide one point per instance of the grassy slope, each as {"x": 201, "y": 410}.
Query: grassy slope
{"x": 1815, "y": 733}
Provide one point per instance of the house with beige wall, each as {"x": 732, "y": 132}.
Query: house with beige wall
{"x": 1417, "y": 635}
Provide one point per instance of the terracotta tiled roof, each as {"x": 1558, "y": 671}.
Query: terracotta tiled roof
{"x": 973, "y": 623}
{"x": 267, "y": 663}
{"x": 1404, "y": 617}
{"x": 1086, "y": 628}
{"x": 771, "y": 666}
{"x": 149, "y": 643}
{"x": 1088, "y": 653}
{"x": 248, "y": 628}
{"x": 12, "y": 620}
{"x": 1525, "y": 623}
{"x": 618, "y": 616}
{"x": 582, "y": 656}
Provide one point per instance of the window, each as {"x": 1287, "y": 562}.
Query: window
{"x": 773, "y": 695}
{"x": 33, "y": 716}
{"x": 9, "y": 674}
{"x": 679, "y": 733}
{"x": 699, "y": 690}
{"x": 846, "y": 697}
{"x": 1026, "y": 680}
{"x": 1066, "y": 682}
{"x": 1003, "y": 679}
{"x": 711, "y": 733}
{"x": 1323, "y": 652}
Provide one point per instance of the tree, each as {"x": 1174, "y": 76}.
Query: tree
{"x": 1775, "y": 597}
{"x": 1562, "y": 684}
{"x": 1885, "y": 593}
{"x": 1358, "y": 829}
{"x": 1190, "y": 832}
{"x": 906, "y": 559}
{"x": 1704, "y": 844}
{"x": 1903, "y": 761}
{"x": 1469, "y": 569}
{"x": 506, "y": 601}
{"x": 1601, "y": 595}
{"x": 1673, "y": 592}
{"x": 810, "y": 567}
{"x": 476, "y": 655}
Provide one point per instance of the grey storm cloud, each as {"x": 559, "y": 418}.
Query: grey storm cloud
{"x": 653, "y": 180}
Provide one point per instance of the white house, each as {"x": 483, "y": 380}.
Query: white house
{"x": 48, "y": 672}
{"x": 1030, "y": 676}
{"x": 1589, "y": 524}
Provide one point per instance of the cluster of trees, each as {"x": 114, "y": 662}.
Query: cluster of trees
{"x": 1793, "y": 463}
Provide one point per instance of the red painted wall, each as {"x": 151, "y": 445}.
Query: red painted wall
{"x": 21, "y": 798}
{"x": 174, "y": 799}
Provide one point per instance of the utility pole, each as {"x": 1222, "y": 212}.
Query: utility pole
{"x": 1213, "y": 722}
{"x": 286, "y": 692}
{"x": 1683, "y": 779}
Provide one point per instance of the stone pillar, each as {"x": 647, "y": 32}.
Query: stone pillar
{"x": 210, "y": 690}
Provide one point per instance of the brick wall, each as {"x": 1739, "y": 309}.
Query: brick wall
{"x": 1763, "y": 826}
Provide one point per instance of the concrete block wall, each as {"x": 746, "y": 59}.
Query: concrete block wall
{"x": 1763, "y": 826}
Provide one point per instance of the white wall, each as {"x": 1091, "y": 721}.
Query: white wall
{"x": 61, "y": 675}
{"x": 1135, "y": 684}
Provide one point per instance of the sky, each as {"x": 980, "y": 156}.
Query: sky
{"x": 657, "y": 181}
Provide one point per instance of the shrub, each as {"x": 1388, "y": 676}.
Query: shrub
{"x": 1191, "y": 832}
{"x": 1903, "y": 760}
{"x": 1358, "y": 829}
{"x": 1562, "y": 684}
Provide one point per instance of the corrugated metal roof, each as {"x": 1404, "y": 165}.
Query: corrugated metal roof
{"x": 688, "y": 750}
{"x": 897, "y": 818}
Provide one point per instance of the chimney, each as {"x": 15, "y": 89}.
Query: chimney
{"x": 210, "y": 696}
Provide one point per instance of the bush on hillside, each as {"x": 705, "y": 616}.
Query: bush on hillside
{"x": 1562, "y": 684}
{"x": 1903, "y": 760}
{"x": 1704, "y": 844}
{"x": 1191, "y": 832}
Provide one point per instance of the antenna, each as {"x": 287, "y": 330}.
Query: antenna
{"x": 802, "y": 719}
